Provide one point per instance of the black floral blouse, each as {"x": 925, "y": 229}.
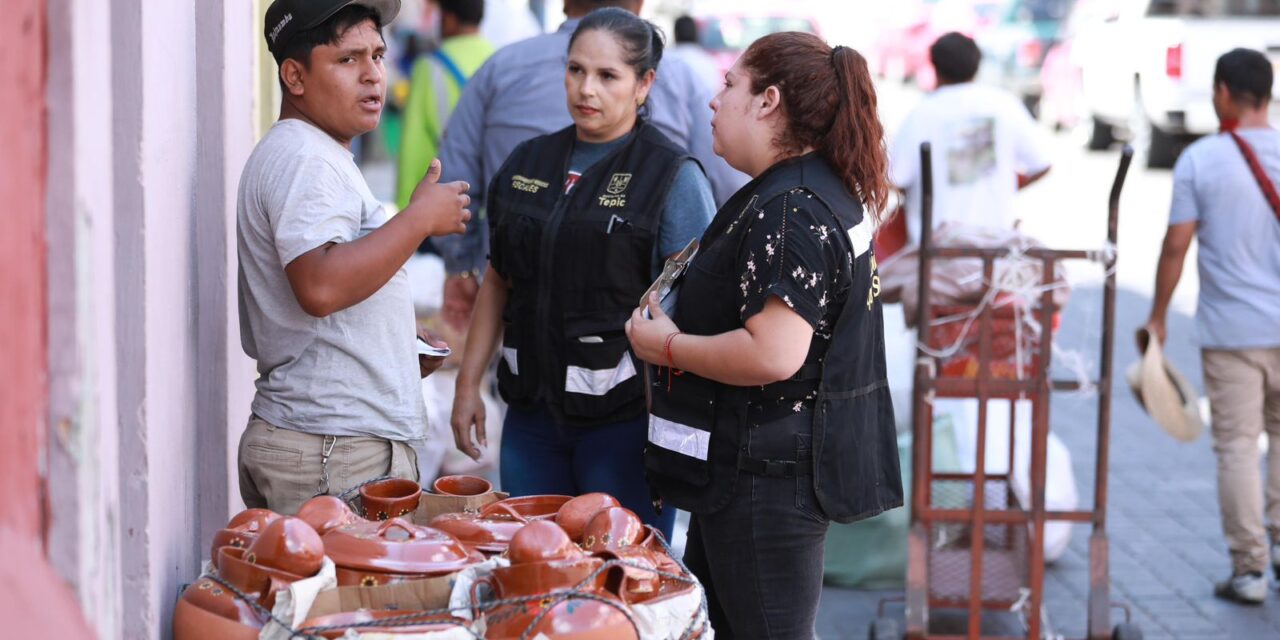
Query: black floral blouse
{"x": 791, "y": 251}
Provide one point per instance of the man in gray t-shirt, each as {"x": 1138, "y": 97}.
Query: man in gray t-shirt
{"x": 1218, "y": 200}
{"x": 325, "y": 308}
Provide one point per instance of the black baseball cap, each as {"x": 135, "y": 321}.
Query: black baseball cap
{"x": 285, "y": 18}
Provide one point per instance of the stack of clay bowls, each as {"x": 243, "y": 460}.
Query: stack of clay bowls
{"x": 544, "y": 561}
{"x": 282, "y": 552}
{"x": 241, "y": 530}
{"x": 608, "y": 531}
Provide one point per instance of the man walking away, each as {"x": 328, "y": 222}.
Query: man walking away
{"x": 1224, "y": 194}
{"x": 985, "y": 145}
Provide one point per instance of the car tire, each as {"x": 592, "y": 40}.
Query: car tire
{"x": 1101, "y": 135}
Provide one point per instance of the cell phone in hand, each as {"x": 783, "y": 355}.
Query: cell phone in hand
{"x": 431, "y": 351}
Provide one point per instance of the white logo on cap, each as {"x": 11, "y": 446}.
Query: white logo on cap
{"x": 288, "y": 17}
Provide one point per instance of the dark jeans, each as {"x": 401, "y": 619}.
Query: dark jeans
{"x": 760, "y": 558}
{"x": 540, "y": 455}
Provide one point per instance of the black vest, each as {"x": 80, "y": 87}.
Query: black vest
{"x": 696, "y": 428}
{"x": 578, "y": 265}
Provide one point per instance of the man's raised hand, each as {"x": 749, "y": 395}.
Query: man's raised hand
{"x": 441, "y": 208}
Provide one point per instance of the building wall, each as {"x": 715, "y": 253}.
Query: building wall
{"x": 28, "y": 582}
{"x": 151, "y": 115}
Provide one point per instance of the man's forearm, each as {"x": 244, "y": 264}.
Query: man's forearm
{"x": 336, "y": 276}
{"x": 1168, "y": 273}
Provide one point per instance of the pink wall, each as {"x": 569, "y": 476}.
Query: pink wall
{"x": 27, "y": 581}
{"x": 148, "y": 388}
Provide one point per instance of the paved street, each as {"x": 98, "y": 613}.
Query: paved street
{"x": 1166, "y": 542}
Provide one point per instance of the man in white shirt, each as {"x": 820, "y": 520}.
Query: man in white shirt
{"x": 985, "y": 145}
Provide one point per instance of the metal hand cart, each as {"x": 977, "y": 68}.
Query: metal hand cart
{"x": 971, "y": 544}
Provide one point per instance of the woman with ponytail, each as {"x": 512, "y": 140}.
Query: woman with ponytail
{"x": 770, "y": 410}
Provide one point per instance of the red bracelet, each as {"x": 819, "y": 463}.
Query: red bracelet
{"x": 671, "y": 359}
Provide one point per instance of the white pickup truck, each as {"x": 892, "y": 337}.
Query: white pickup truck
{"x": 1147, "y": 68}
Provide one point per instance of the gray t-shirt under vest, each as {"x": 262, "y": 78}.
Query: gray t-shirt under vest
{"x": 354, "y": 372}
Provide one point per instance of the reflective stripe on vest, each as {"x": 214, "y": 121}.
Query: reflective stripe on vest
{"x": 511, "y": 357}
{"x": 678, "y": 437}
{"x": 597, "y": 382}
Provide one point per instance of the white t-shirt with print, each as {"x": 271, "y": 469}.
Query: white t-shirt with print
{"x": 982, "y": 138}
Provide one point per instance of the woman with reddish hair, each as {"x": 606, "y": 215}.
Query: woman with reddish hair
{"x": 770, "y": 410}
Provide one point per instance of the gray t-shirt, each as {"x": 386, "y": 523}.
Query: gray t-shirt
{"x": 1239, "y": 256}
{"x": 354, "y": 372}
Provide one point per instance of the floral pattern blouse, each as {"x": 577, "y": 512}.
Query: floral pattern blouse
{"x": 791, "y": 251}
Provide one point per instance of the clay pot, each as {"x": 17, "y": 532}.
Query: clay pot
{"x": 243, "y": 529}
{"x": 324, "y": 513}
{"x": 462, "y": 486}
{"x": 426, "y": 624}
{"x": 390, "y": 498}
{"x": 254, "y": 579}
{"x": 538, "y": 578}
{"x": 576, "y": 619}
{"x": 372, "y": 553}
{"x": 541, "y": 541}
{"x": 486, "y": 535}
{"x": 193, "y": 622}
{"x": 576, "y": 513}
{"x": 638, "y": 580}
{"x": 525, "y": 508}
{"x": 290, "y": 545}
{"x": 611, "y": 529}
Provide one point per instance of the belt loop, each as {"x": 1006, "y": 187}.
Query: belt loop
{"x": 326, "y": 450}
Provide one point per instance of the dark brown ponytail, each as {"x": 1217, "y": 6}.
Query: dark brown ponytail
{"x": 829, "y": 104}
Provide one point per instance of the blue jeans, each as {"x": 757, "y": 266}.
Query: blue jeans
{"x": 540, "y": 455}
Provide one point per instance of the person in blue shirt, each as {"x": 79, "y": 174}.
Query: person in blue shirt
{"x": 582, "y": 220}
{"x": 518, "y": 94}
{"x": 1219, "y": 201}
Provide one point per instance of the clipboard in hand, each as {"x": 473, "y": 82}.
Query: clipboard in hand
{"x": 666, "y": 287}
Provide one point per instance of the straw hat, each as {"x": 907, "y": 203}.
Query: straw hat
{"x": 1164, "y": 392}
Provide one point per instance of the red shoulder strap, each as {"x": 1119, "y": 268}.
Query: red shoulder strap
{"x": 1268, "y": 187}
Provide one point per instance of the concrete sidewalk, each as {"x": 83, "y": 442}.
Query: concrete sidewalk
{"x": 1167, "y": 548}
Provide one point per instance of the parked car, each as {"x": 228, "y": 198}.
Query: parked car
{"x": 1147, "y": 68}
{"x": 1062, "y": 102}
{"x": 901, "y": 52}
{"x": 1014, "y": 48}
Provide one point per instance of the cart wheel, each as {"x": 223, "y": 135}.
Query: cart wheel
{"x": 884, "y": 629}
{"x": 1127, "y": 631}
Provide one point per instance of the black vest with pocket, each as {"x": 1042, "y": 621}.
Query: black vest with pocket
{"x": 577, "y": 264}
{"x": 696, "y": 430}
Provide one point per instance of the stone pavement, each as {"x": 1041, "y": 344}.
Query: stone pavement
{"x": 1166, "y": 540}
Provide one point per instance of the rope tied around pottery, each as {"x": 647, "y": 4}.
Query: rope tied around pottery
{"x": 697, "y": 623}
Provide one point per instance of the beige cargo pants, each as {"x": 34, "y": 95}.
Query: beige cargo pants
{"x": 280, "y": 468}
